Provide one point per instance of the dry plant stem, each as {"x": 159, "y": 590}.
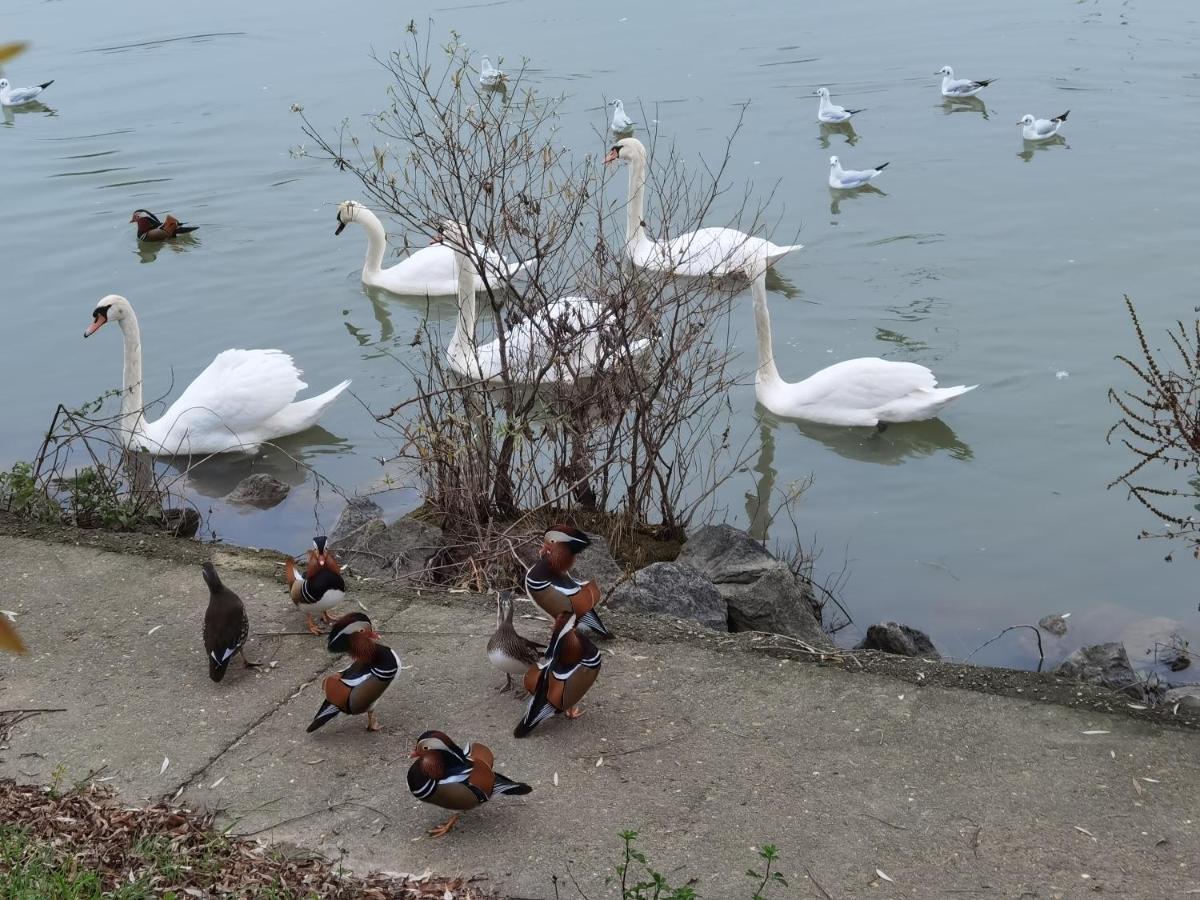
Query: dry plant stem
{"x": 1036, "y": 633}
{"x": 639, "y": 440}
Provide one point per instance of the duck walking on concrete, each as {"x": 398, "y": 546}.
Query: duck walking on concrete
{"x": 356, "y": 690}
{"x": 226, "y": 626}
{"x": 508, "y": 650}
{"x": 320, "y": 587}
{"x": 454, "y": 777}
{"x": 557, "y": 682}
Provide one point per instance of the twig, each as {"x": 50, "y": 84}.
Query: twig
{"x": 885, "y": 822}
{"x": 1036, "y": 633}
{"x": 813, "y": 879}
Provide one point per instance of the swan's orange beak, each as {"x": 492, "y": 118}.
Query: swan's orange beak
{"x": 98, "y": 320}
{"x": 611, "y": 156}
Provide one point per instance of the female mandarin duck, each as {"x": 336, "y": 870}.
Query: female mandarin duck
{"x": 356, "y": 690}
{"x": 551, "y": 586}
{"x": 455, "y": 778}
{"x": 559, "y": 680}
{"x": 508, "y": 650}
{"x": 320, "y": 588}
{"x": 226, "y": 626}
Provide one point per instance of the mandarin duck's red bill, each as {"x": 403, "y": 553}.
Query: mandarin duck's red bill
{"x": 226, "y": 626}
{"x": 550, "y": 584}
{"x": 457, "y": 778}
{"x": 508, "y": 650}
{"x": 558, "y": 681}
{"x": 320, "y": 587}
{"x": 356, "y": 690}
{"x": 150, "y": 229}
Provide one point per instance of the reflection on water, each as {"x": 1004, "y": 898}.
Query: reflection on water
{"x": 838, "y": 195}
{"x": 287, "y": 459}
{"x": 890, "y": 447}
{"x": 148, "y": 252}
{"x": 777, "y": 284}
{"x": 964, "y": 104}
{"x": 758, "y": 504}
{"x": 1034, "y": 147}
{"x": 911, "y": 346}
{"x": 11, "y": 112}
{"x": 844, "y": 129}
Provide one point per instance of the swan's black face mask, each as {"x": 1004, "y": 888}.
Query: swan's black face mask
{"x": 99, "y": 318}
{"x": 341, "y": 225}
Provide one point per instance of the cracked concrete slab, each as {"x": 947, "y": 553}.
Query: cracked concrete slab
{"x": 707, "y": 752}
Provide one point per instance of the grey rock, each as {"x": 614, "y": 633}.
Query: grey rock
{"x": 762, "y": 592}
{"x": 673, "y": 589}
{"x": 1053, "y": 624}
{"x": 377, "y": 550}
{"x": 1107, "y": 664}
{"x": 358, "y": 512}
{"x": 260, "y": 490}
{"x": 1188, "y": 698}
{"x": 596, "y": 563}
{"x": 902, "y": 640}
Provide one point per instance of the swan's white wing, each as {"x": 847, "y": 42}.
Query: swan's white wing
{"x": 865, "y": 384}
{"x": 238, "y": 391}
{"x": 712, "y": 250}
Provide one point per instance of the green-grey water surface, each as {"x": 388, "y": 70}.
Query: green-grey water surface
{"x": 983, "y": 259}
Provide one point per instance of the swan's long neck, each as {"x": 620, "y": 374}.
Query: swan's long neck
{"x": 636, "y": 207}
{"x": 767, "y": 373}
{"x": 462, "y": 342}
{"x": 376, "y": 241}
{"x": 132, "y": 407}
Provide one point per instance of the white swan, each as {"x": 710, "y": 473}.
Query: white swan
{"x": 564, "y": 342}
{"x": 428, "y": 272}
{"x": 707, "y": 251}
{"x": 868, "y": 391}
{"x": 243, "y": 398}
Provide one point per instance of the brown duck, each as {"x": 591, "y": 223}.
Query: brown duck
{"x": 551, "y": 586}
{"x": 559, "y": 680}
{"x": 225, "y": 625}
{"x": 454, "y": 777}
{"x": 357, "y": 689}
{"x": 150, "y": 229}
{"x": 508, "y": 650}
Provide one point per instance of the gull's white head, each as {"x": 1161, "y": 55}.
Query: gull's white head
{"x": 947, "y": 71}
{"x": 833, "y": 162}
{"x": 616, "y": 104}
{"x": 822, "y": 92}
{"x": 3, "y": 84}
{"x": 1026, "y": 120}
{"x": 112, "y": 308}
{"x": 626, "y": 150}
{"x": 485, "y": 64}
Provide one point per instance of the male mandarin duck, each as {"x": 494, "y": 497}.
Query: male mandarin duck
{"x": 225, "y": 625}
{"x": 559, "y": 680}
{"x": 454, "y": 777}
{"x": 508, "y": 650}
{"x": 9, "y": 639}
{"x": 551, "y": 586}
{"x": 151, "y": 230}
{"x": 357, "y": 689}
{"x": 321, "y": 586}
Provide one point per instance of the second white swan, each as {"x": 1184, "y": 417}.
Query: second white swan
{"x": 243, "y": 398}
{"x": 706, "y": 251}
{"x": 427, "y": 272}
{"x": 868, "y": 391}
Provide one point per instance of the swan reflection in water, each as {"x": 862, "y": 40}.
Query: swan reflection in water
{"x": 953, "y": 105}
{"x": 286, "y": 459}
{"x": 428, "y": 309}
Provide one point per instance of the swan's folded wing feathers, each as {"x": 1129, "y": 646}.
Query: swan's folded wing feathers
{"x": 247, "y": 386}
{"x": 867, "y": 383}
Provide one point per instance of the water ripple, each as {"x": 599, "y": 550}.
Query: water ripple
{"x": 117, "y": 48}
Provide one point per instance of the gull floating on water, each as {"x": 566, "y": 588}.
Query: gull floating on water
{"x": 621, "y": 123}
{"x": 11, "y": 96}
{"x": 960, "y": 87}
{"x": 1041, "y": 129}
{"x": 849, "y": 179}
{"x": 831, "y": 113}
{"x": 489, "y": 75}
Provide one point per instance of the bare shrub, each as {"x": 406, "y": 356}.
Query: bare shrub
{"x": 635, "y": 443}
{"x": 1160, "y": 425}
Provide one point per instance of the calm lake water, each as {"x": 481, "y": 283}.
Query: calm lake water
{"x": 987, "y": 263}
